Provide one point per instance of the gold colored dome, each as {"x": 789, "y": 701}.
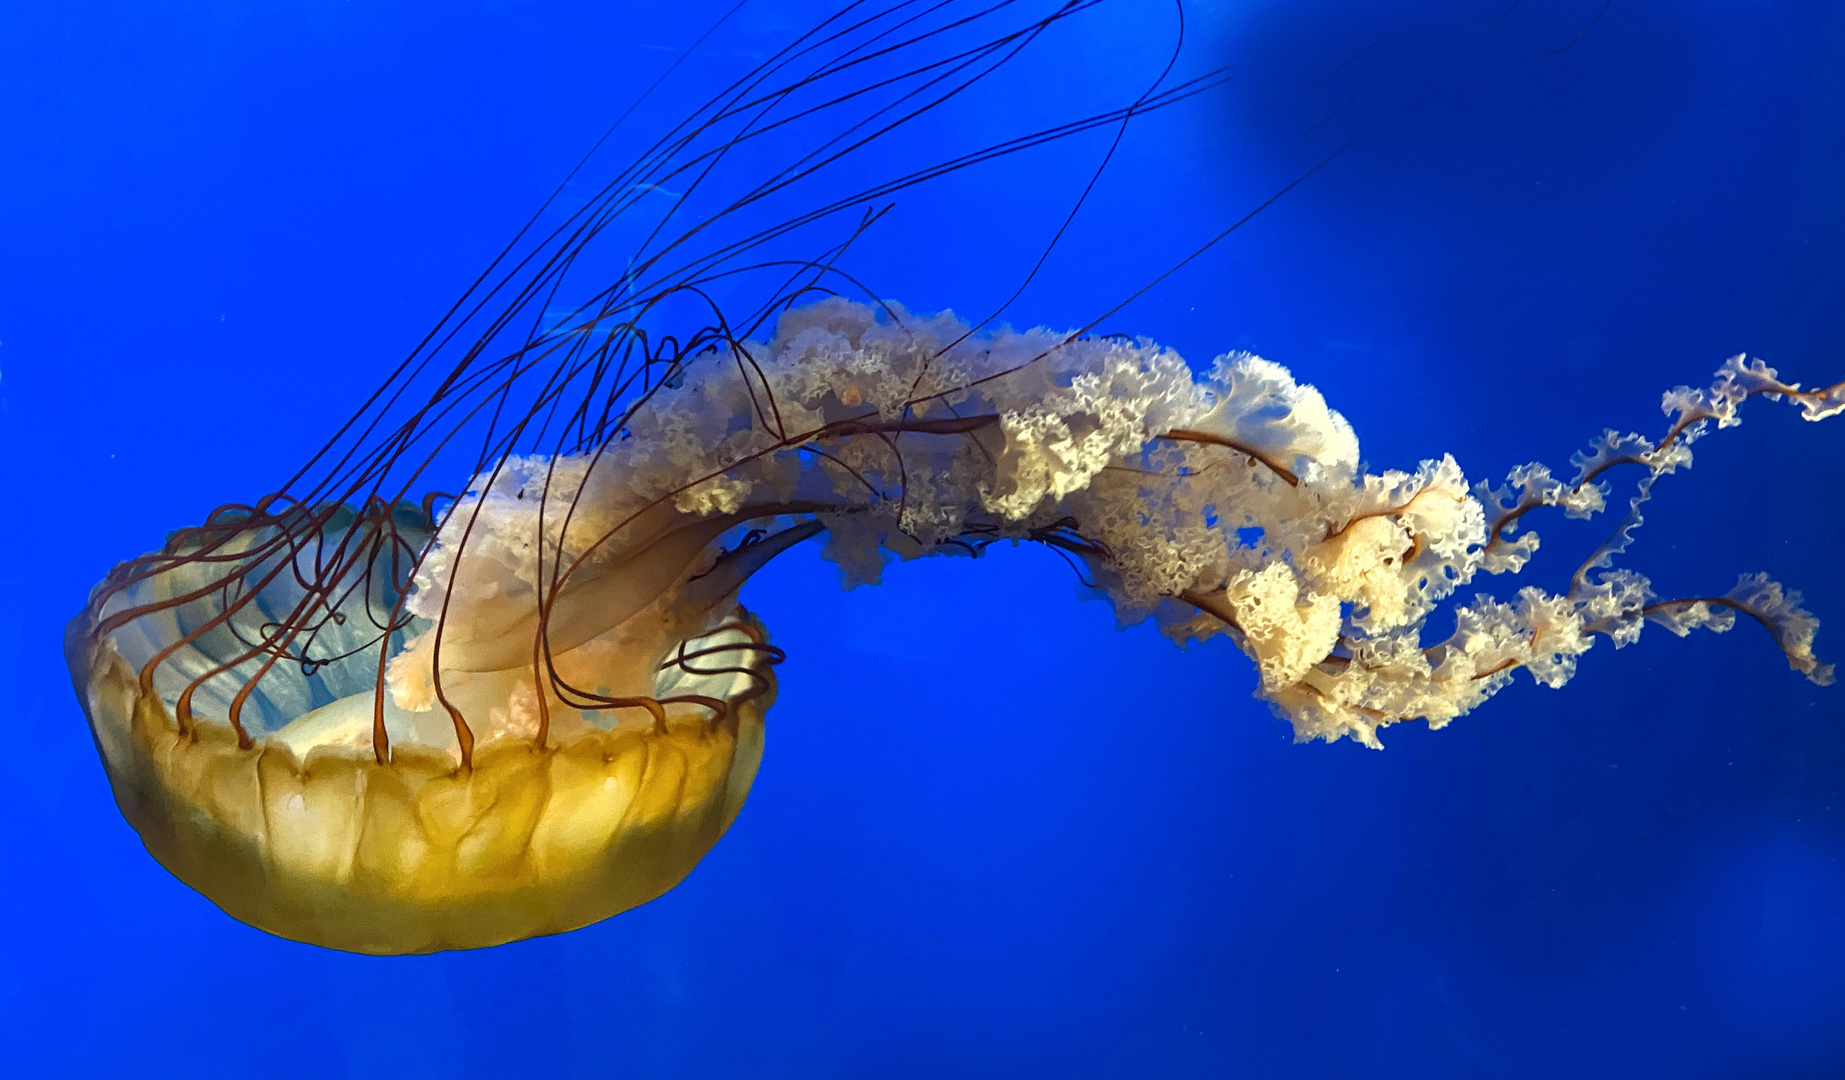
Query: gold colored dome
{"x": 290, "y": 821}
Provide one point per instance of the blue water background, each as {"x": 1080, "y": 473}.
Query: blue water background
{"x": 993, "y": 835}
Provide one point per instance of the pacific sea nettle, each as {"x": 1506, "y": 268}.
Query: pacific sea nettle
{"x": 378, "y": 719}
{"x": 368, "y": 729}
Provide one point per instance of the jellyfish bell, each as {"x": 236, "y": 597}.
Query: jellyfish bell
{"x": 236, "y": 722}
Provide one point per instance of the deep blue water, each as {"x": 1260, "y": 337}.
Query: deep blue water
{"x": 993, "y": 835}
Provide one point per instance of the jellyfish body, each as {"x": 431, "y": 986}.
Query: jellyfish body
{"x": 391, "y": 727}
{"x": 386, "y": 734}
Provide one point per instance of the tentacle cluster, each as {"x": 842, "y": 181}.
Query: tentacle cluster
{"x": 1229, "y": 503}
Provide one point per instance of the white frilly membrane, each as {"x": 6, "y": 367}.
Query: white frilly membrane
{"x": 1230, "y": 503}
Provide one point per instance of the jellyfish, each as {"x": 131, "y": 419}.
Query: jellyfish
{"x": 367, "y": 715}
